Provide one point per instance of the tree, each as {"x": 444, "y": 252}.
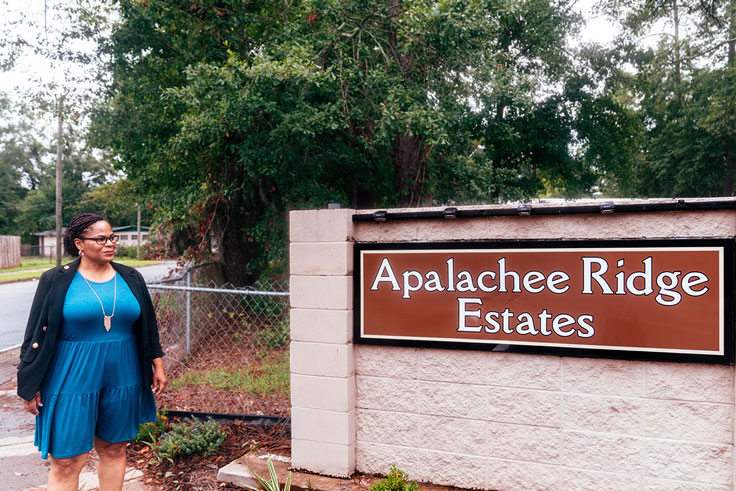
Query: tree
{"x": 228, "y": 114}
{"x": 113, "y": 200}
{"x": 81, "y": 172}
{"x": 682, "y": 90}
{"x": 27, "y": 182}
{"x": 19, "y": 164}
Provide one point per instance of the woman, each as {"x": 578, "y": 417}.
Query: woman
{"x": 89, "y": 358}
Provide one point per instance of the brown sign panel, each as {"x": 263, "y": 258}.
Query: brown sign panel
{"x": 625, "y": 299}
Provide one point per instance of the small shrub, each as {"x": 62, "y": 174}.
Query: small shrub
{"x": 268, "y": 306}
{"x": 272, "y": 337}
{"x": 149, "y": 433}
{"x": 125, "y": 251}
{"x": 396, "y": 480}
{"x": 190, "y": 438}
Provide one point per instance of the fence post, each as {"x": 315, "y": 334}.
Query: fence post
{"x": 189, "y": 311}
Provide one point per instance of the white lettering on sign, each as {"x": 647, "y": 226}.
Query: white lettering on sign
{"x": 503, "y": 280}
{"x": 640, "y": 282}
{"x": 509, "y": 322}
{"x": 506, "y": 280}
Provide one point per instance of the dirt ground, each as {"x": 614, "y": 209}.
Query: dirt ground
{"x": 199, "y": 473}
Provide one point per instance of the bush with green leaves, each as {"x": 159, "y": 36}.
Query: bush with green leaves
{"x": 396, "y": 480}
{"x": 272, "y": 337}
{"x": 126, "y": 251}
{"x": 267, "y": 306}
{"x": 190, "y": 437}
{"x": 149, "y": 433}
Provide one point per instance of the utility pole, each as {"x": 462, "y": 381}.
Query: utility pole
{"x": 58, "y": 181}
{"x": 138, "y": 247}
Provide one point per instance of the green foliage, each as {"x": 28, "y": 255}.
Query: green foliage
{"x": 271, "y": 484}
{"x": 191, "y": 437}
{"x": 223, "y": 116}
{"x": 271, "y": 377}
{"x": 115, "y": 201}
{"x": 270, "y": 337}
{"x": 125, "y": 251}
{"x": 272, "y": 307}
{"x": 226, "y": 116}
{"x": 19, "y": 159}
{"x": 149, "y": 433}
{"x": 396, "y": 480}
{"x": 32, "y": 163}
{"x": 667, "y": 114}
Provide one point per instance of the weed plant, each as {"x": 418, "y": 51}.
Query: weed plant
{"x": 272, "y": 377}
{"x": 272, "y": 337}
{"x": 271, "y": 484}
{"x": 149, "y": 433}
{"x": 396, "y": 480}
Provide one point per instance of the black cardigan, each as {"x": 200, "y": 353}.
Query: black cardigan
{"x": 44, "y": 322}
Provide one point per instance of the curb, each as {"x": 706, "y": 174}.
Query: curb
{"x": 4, "y": 350}
{"x": 240, "y": 473}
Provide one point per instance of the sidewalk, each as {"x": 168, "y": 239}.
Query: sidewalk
{"x": 23, "y": 271}
{"x": 21, "y": 466}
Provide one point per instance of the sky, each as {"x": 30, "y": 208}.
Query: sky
{"x": 32, "y": 70}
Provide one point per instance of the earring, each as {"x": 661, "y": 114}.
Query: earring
{"x": 81, "y": 253}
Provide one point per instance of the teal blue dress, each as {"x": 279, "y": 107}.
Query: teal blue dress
{"x": 94, "y": 384}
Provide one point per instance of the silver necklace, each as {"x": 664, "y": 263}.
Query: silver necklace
{"x": 108, "y": 318}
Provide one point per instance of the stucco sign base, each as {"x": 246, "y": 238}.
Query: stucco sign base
{"x": 488, "y": 419}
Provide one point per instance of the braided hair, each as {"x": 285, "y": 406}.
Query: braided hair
{"x": 77, "y": 226}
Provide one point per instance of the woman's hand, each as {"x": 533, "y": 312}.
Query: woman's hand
{"x": 159, "y": 377}
{"x": 34, "y": 404}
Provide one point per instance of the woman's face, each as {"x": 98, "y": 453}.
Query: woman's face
{"x": 90, "y": 249}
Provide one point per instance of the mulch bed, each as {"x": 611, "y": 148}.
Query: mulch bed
{"x": 199, "y": 473}
{"x": 209, "y": 400}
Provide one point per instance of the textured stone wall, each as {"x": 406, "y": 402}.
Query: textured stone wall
{"x": 494, "y": 420}
{"x": 509, "y": 421}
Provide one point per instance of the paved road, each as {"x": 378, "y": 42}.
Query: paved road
{"x": 15, "y": 304}
{"x": 16, "y": 299}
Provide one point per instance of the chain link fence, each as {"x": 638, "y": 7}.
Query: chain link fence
{"x": 227, "y": 349}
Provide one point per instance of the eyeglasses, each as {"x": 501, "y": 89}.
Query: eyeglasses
{"x": 102, "y": 240}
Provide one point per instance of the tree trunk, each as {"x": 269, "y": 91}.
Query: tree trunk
{"x": 728, "y": 185}
{"x": 234, "y": 249}
{"x": 409, "y": 169}
{"x": 233, "y": 218}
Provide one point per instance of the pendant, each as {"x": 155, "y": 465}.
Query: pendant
{"x": 108, "y": 321}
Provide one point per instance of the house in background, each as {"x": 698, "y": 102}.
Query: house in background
{"x": 128, "y": 237}
{"x": 46, "y": 243}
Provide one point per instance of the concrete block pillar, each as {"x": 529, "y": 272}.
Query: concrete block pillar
{"x": 322, "y": 366}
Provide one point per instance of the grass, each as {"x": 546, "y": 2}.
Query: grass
{"x": 32, "y": 263}
{"x": 21, "y": 273}
{"x": 271, "y": 378}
